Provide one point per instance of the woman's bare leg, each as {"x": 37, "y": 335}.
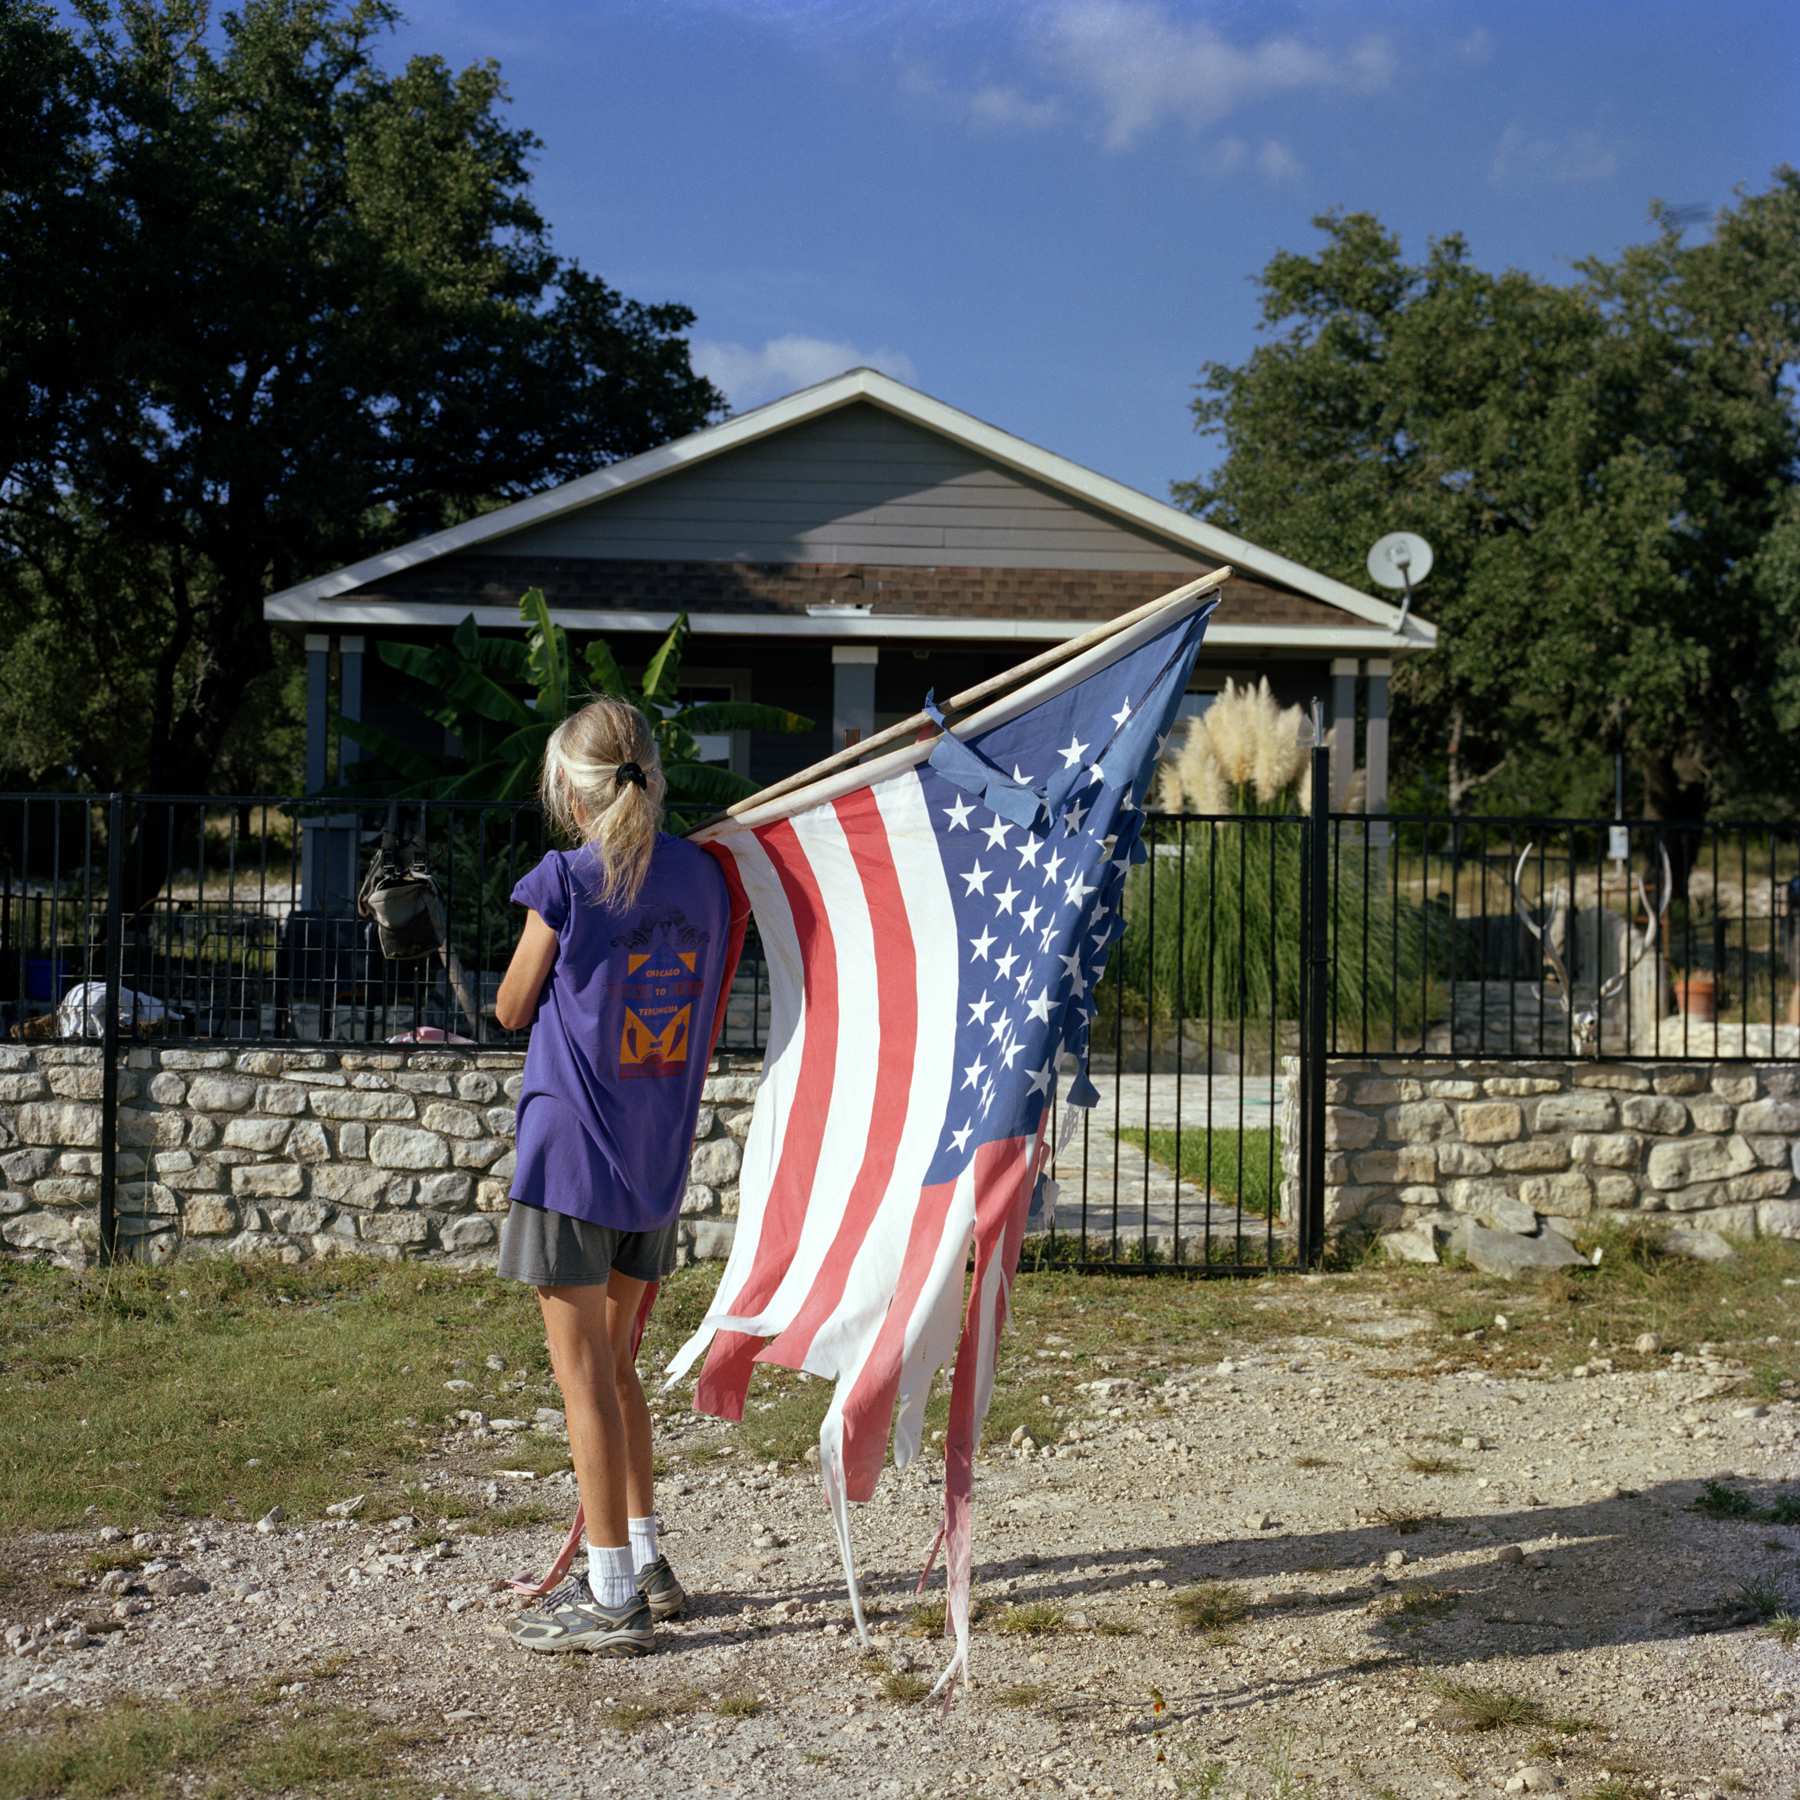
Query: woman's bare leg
{"x": 589, "y": 1333}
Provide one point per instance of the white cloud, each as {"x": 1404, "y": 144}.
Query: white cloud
{"x": 1006, "y": 106}
{"x": 749, "y": 377}
{"x": 1278, "y": 162}
{"x": 1145, "y": 67}
{"x": 1525, "y": 154}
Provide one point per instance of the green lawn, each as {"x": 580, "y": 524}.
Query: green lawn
{"x": 1241, "y": 1167}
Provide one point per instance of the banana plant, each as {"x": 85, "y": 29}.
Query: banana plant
{"x": 473, "y": 686}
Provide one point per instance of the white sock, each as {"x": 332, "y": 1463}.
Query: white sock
{"x": 643, "y": 1540}
{"x": 610, "y": 1577}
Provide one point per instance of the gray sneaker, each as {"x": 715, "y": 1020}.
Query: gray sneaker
{"x": 664, "y": 1594}
{"x": 571, "y": 1619}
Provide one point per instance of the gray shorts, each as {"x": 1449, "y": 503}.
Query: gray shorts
{"x": 550, "y": 1249}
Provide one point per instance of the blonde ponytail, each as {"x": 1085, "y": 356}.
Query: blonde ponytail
{"x": 603, "y": 784}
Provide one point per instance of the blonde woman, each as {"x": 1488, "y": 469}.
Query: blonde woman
{"x": 622, "y": 974}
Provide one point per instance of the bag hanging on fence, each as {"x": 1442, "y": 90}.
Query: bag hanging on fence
{"x": 399, "y": 894}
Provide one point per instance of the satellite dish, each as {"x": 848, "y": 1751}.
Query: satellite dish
{"x": 1402, "y": 559}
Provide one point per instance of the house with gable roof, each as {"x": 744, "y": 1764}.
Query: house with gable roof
{"x": 839, "y": 552}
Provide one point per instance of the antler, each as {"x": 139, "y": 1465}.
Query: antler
{"x": 1551, "y": 954}
{"x": 1651, "y": 921}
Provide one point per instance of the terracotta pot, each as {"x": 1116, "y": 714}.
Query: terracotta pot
{"x": 1695, "y": 996}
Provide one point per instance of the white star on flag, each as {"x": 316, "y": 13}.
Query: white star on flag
{"x": 977, "y": 879}
{"x": 1028, "y": 850}
{"x": 996, "y": 834}
{"x": 1123, "y": 713}
{"x": 1073, "y": 755}
{"x": 1006, "y": 896}
{"x": 978, "y": 1010}
{"x": 983, "y": 944}
{"x": 957, "y": 812}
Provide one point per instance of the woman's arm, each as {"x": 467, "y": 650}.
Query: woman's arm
{"x": 515, "y": 1006}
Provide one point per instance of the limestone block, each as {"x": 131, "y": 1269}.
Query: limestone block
{"x": 260, "y": 1246}
{"x": 202, "y": 1175}
{"x": 412, "y": 1082}
{"x": 1781, "y": 1116}
{"x": 58, "y": 1122}
{"x": 446, "y": 1193}
{"x": 159, "y": 1130}
{"x": 371, "y": 1083}
{"x": 1624, "y": 1080}
{"x": 217, "y": 1094}
{"x": 300, "y": 1219}
{"x": 505, "y": 1168}
{"x": 128, "y": 1163}
{"x": 477, "y": 1154}
{"x": 1688, "y": 1160}
{"x": 1342, "y": 1204}
{"x": 287, "y": 1098}
{"x": 1699, "y": 1245}
{"x": 14, "y": 1088}
{"x": 712, "y": 1239}
{"x": 196, "y": 1059}
{"x": 372, "y": 1059}
{"x": 1569, "y": 1195}
{"x": 513, "y": 1086}
{"x": 149, "y": 1197}
{"x": 1410, "y": 1245}
{"x": 1679, "y": 1081}
{"x": 1520, "y": 1087}
{"x": 1348, "y": 1129}
{"x": 1693, "y": 1199}
{"x": 348, "y": 1185}
{"x": 352, "y": 1103}
{"x": 267, "y": 1181}
{"x": 736, "y": 1120}
{"x": 20, "y": 1166}
{"x": 1611, "y": 1150}
{"x": 206, "y": 1215}
{"x": 67, "y": 1190}
{"x": 730, "y": 1087}
{"x": 703, "y": 1122}
{"x": 463, "y": 1235}
{"x": 1736, "y": 1088}
{"x": 452, "y": 1121}
{"x": 317, "y": 1077}
{"x": 307, "y": 1143}
{"x": 1765, "y": 1184}
{"x": 1490, "y": 1122}
{"x": 717, "y": 1160}
{"x": 491, "y": 1197}
{"x": 1651, "y": 1112}
{"x": 400, "y": 1147}
{"x": 500, "y": 1121}
{"x": 202, "y": 1132}
{"x": 393, "y": 1228}
{"x": 259, "y": 1062}
{"x": 1420, "y": 1196}
{"x": 401, "y": 1191}
{"x": 257, "y": 1134}
{"x": 477, "y": 1086}
{"x": 1576, "y": 1112}
{"x": 1780, "y": 1082}
{"x": 1533, "y": 1155}
{"x": 1615, "y": 1191}
{"x": 1771, "y": 1152}
{"x": 1509, "y": 1254}
{"x": 1779, "y": 1218}
{"x": 1417, "y": 1162}
{"x": 1709, "y": 1113}
{"x": 1739, "y": 1221}
{"x": 13, "y": 1059}
{"x": 698, "y": 1199}
{"x": 1382, "y": 1092}
{"x": 1420, "y": 1122}
{"x": 1492, "y": 1204}
{"x": 353, "y": 1140}
{"x": 167, "y": 1088}
{"x": 1464, "y": 1159}
{"x": 55, "y": 1235}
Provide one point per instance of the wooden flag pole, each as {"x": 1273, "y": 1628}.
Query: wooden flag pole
{"x": 960, "y": 705}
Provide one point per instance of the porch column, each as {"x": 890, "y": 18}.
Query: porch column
{"x": 318, "y": 708}
{"x": 852, "y": 693}
{"x": 1343, "y": 728}
{"x": 349, "y": 699}
{"x": 1375, "y": 751}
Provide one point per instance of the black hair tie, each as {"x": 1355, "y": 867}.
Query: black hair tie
{"x": 629, "y": 771}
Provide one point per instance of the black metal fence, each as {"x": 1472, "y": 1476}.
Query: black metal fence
{"x": 235, "y": 919}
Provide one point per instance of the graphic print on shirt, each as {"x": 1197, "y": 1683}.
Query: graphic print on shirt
{"x": 664, "y": 977}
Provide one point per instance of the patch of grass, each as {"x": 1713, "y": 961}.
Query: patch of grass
{"x": 905, "y": 1687}
{"x": 1621, "y": 1787}
{"x": 640, "y": 1715}
{"x": 1037, "y": 1618}
{"x": 1314, "y": 1462}
{"x": 1720, "y": 1502}
{"x": 1117, "y": 1628}
{"x": 926, "y": 1619}
{"x": 1487, "y": 1709}
{"x": 1435, "y": 1465}
{"x": 217, "y": 1748}
{"x": 1418, "y": 1606}
{"x": 115, "y": 1556}
{"x": 1401, "y": 1521}
{"x": 510, "y": 1518}
{"x": 1242, "y": 1168}
{"x": 1784, "y": 1628}
{"x": 1019, "y": 1407}
{"x": 702, "y": 1453}
{"x": 790, "y": 1425}
{"x": 1210, "y": 1607}
{"x": 739, "y": 1704}
{"x": 1784, "y": 1509}
{"x": 1020, "y": 1694}
{"x": 1763, "y": 1594}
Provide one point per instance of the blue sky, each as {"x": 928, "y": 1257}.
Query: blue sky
{"x": 1048, "y": 212}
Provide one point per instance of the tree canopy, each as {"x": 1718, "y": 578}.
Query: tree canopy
{"x": 1606, "y": 471}
{"x": 265, "y": 309}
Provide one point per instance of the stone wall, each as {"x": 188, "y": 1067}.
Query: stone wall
{"x": 300, "y": 1153}
{"x": 1423, "y": 1146}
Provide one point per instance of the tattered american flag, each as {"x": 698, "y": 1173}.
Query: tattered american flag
{"x": 934, "y": 921}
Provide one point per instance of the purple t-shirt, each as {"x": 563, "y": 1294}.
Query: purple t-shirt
{"x": 624, "y": 1028}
